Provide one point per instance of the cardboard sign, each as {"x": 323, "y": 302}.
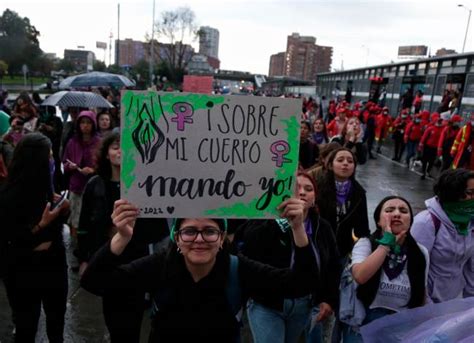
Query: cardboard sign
{"x": 195, "y": 156}
{"x": 197, "y": 84}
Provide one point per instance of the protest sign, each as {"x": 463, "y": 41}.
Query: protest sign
{"x": 196, "y": 155}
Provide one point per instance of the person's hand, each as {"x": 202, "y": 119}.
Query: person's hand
{"x": 48, "y": 215}
{"x": 124, "y": 217}
{"x": 351, "y": 134}
{"x": 399, "y": 237}
{"x": 293, "y": 209}
{"x": 325, "y": 310}
{"x": 86, "y": 171}
{"x": 71, "y": 165}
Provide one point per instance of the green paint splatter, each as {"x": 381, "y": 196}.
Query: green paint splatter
{"x": 132, "y": 103}
{"x": 285, "y": 172}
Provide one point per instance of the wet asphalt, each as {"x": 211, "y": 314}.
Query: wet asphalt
{"x": 84, "y": 321}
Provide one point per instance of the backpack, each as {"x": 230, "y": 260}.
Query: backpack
{"x": 233, "y": 292}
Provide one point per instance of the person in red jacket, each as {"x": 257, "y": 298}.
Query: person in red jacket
{"x": 382, "y": 126}
{"x": 412, "y": 137}
{"x": 446, "y": 140}
{"x": 334, "y": 128}
{"x": 463, "y": 146}
{"x": 398, "y": 131}
{"x": 429, "y": 146}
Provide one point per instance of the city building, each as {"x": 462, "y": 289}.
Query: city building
{"x": 444, "y": 52}
{"x": 303, "y": 59}
{"x": 277, "y": 63}
{"x": 128, "y": 52}
{"x": 82, "y": 60}
{"x": 412, "y": 51}
{"x": 209, "y": 41}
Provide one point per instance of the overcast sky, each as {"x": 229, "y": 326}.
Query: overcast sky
{"x": 250, "y": 31}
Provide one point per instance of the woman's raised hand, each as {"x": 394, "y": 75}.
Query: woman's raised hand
{"x": 124, "y": 217}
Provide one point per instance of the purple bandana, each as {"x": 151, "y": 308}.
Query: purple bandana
{"x": 342, "y": 191}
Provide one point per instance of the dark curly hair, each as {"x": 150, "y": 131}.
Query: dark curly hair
{"x": 451, "y": 185}
{"x": 103, "y": 167}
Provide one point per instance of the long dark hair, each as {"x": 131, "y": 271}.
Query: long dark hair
{"x": 103, "y": 166}
{"x": 29, "y": 182}
{"x": 416, "y": 263}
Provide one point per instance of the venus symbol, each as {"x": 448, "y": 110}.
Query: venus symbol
{"x": 279, "y": 149}
{"x": 183, "y": 112}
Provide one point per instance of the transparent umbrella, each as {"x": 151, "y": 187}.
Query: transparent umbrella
{"x": 76, "y": 99}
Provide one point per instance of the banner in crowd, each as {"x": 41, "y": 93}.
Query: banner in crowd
{"x": 450, "y": 321}
{"x": 197, "y": 84}
{"x": 196, "y": 155}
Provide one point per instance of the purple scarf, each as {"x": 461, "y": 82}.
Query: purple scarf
{"x": 343, "y": 190}
{"x": 319, "y": 138}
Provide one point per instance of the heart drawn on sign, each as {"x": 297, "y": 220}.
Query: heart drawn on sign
{"x": 170, "y": 209}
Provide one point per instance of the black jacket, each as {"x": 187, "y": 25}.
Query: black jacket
{"x": 264, "y": 241}
{"x": 95, "y": 222}
{"x": 356, "y": 218}
{"x": 196, "y": 311}
{"x": 359, "y": 148}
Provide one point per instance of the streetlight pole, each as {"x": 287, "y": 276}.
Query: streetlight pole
{"x": 467, "y": 26}
{"x": 152, "y": 46}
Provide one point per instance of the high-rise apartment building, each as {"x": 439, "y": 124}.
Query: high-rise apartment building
{"x": 277, "y": 63}
{"x": 303, "y": 59}
{"x": 209, "y": 41}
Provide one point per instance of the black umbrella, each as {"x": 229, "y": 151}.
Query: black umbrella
{"x": 96, "y": 79}
{"x": 76, "y": 99}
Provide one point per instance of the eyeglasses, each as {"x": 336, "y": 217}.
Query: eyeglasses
{"x": 208, "y": 234}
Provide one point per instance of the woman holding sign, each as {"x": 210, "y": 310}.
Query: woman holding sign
{"x": 197, "y": 287}
{"x": 283, "y": 317}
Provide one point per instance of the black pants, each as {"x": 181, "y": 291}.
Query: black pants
{"x": 399, "y": 145}
{"x": 39, "y": 280}
{"x": 123, "y": 314}
{"x": 429, "y": 156}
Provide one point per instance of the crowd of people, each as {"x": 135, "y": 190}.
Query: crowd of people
{"x": 317, "y": 272}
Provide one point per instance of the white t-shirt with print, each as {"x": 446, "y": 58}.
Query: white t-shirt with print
{"x": 392, "y": 294}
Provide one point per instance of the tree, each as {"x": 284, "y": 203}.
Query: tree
{"x": 175, "y": 26}
{"x": 66, "y": 65}
{"x": 99, "y": 66}
{"x": 18, "y": 41}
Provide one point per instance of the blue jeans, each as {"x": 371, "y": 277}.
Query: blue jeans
{"x": 349, "y": 335}
{"x": 319, "y": 332}
{"x": 272, "y": 326}
{"x": 411, "y": 150}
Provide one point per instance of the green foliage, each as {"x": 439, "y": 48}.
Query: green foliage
{"x": 66, "y": 65}
{"x": 18, "y": 42}
{"x": 99, "y": 66}
{"x": 3, "y": 68}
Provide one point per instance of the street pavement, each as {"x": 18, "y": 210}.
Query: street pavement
{"x": 84, "y": 321}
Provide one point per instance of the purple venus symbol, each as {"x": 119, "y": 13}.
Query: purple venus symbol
{"x": 184, "y": 112}
{"x": 279, "y": 149}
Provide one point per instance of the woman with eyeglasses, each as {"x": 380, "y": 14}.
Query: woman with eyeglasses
{"x": 446, "y": 229}
{"x": 189, "y": 281}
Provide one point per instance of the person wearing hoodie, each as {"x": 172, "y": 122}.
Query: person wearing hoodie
{"x": 412, "y": 137}
{"x": 398, "y": 130}
{"x": 78, "y": 163}
{"x": 429, "y": 146}
{"x": 446, "y": 230}
{"x": 462, "y": 149}
{"x": 446, "y": 140}
{"x": 383, "y": 122}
